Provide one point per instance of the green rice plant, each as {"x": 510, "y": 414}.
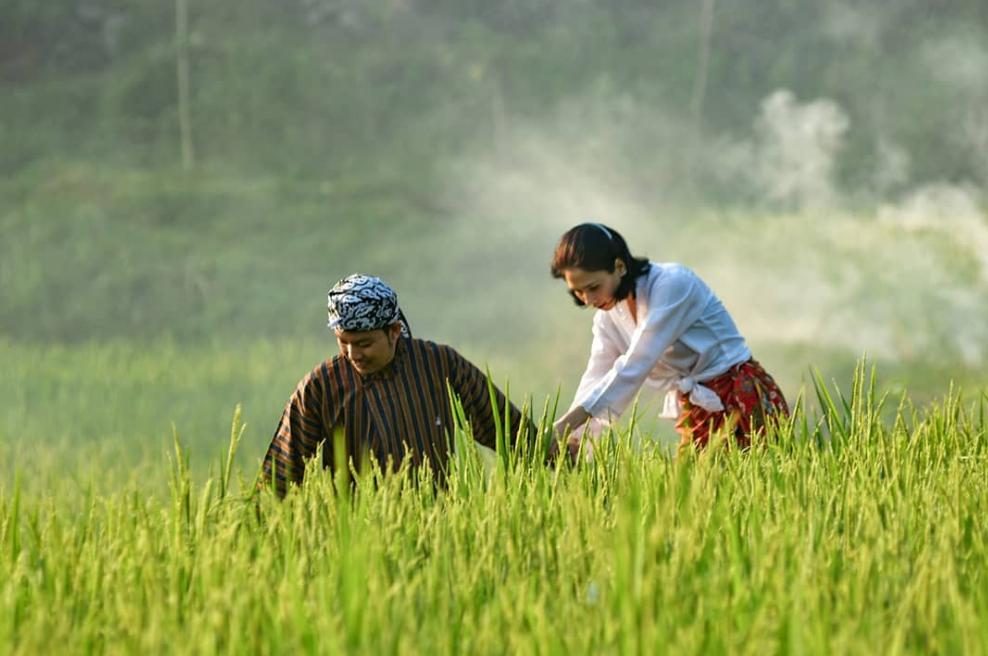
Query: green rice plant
{"x": 850, "y": 528}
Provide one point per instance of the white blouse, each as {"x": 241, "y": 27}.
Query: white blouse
{"x": 683, "y": 336}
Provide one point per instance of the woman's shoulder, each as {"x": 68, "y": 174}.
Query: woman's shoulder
{"x": 669, "y": 268}
{"x": 669, "y": 273}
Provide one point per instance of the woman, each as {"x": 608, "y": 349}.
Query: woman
{"x": 659, "y": 325}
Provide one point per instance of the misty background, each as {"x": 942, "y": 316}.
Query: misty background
{"x": 179, "y": 179}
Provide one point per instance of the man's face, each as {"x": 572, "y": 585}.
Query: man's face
{"x": 369, "y": 350}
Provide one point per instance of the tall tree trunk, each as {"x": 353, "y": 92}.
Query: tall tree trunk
{"x": 182, "y": 76}
{"x": 700, "y": 84}
{"x": 703, "y": 67}
{"x": 499, "y": 119}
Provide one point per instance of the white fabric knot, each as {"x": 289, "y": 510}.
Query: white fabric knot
{"x": 699, "y": 395}
{"x": 686, "y": 384}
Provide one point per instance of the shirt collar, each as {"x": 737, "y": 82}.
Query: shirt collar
{"x": 643, "y": 283}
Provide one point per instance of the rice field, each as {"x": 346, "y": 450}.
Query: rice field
{"x": 181, "y": 182}
{"x": 857, "y": 528}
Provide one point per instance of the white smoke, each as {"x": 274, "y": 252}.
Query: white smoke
{"x": 906, "y": 282}
{"x": 537, "y": 179}
{"x": 952, "y": 213}
{"x": 792, "y": 157}
{"x": 581, "y": 163}
{"x": 854, "y": 25}
{"x": 961, "y": 63}
{"x": 892, "y": 168}
{"x": 952, "y": 210}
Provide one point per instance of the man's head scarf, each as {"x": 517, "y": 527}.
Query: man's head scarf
{"x": 361, "y": 303}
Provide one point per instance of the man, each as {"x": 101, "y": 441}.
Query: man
{"x": 385, "y": 393}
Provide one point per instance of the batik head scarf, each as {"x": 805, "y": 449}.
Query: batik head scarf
{"x": 360, "y": 302}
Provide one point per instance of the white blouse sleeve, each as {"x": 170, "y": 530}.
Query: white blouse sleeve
{"x": 676, "y": 301}
{"x": 603, "y": 353}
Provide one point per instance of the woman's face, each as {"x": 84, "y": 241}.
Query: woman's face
{"x": 595, "y": 288}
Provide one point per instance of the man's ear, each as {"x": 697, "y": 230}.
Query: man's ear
{"x": 394, "y": 331}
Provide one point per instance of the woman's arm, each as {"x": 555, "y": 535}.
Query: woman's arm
{"x": 604, "y": 351}
{"x": 676, "y": 301}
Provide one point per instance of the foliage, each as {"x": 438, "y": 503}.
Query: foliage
{"x": 313, "y": 88}
{"x": 845, "y": 533}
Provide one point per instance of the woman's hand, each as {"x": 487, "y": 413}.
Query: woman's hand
{"x": 564, "y": 429}
{"x": 571, "y": 421}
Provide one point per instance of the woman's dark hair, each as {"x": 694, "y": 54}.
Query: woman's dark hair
{"x": 596, "y": 247}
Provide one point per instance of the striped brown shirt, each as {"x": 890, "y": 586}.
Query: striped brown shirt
{"x": 400, "y": 412}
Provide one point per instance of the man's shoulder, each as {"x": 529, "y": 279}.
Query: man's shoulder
{"x": 431, "y": 348}
{"x": 444, "y": 353}
{"x": 324, "y": 372}
{"x": 335, "y": 363}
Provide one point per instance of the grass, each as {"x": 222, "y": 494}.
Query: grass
{"x": 99, "y": 415}
{"x": 140, "y": 304}
{"x": 858, "y": 530}
{"x": 852, "y": 532}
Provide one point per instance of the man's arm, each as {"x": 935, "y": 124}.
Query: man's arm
{"x": 471, "y": 385}
{"x": 297, "y": 437}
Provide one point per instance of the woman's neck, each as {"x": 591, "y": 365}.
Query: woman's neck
{"x": 633, "y": 306}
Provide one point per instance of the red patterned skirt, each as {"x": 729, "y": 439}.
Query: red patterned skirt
{"x": 751, "y": 398}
